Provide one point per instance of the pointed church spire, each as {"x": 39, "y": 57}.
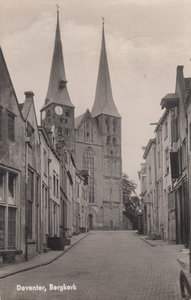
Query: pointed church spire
{"x": 104, "y": 103}
{"x": 57, "y": 89}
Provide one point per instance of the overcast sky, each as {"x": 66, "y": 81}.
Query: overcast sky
{"x": 145, "y": 40}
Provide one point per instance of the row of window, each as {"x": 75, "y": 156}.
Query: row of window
{"x": 114, "y": 124}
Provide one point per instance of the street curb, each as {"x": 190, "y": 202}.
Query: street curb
{"x": 147, "y": 242}
{"x": 44, "y": 263}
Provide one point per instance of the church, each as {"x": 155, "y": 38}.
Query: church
{"x": 93, "y": 138}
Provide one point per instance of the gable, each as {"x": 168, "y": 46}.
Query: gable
{"x": 8, "y": 97}
{"x": 31, "y": 117}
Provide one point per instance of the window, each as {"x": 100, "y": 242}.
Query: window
{"x": 184, "y": 154}
{"x": 107, "y": 123}
{"x": 67, "y": 113}
{"x": 11, "y": 188}
{"x": 11, "y": 227}
{"x": 165, "y": 129}
{"x": 159, "y": 158}
{"x": 57, "y": 187}
{"x": 30, "y": 134}
{"x": 11, "y": 127}
{"x": 87, "y": 129}
{"x": 114, "y": 125}
{"x": 2, "y": 185}
{"x": 30, "y": 197}
{"x": 59, "y": 131}
{"x": 8, "y": 209}
{"x": 114, "y": 141}
{"x": 166, "y": 161}
{"x": 158, "y": 136}
{"x": 1, "y": 123}
{"x": 88, "y": 164}
{"x": 108, "y": 140}
{"x": 150, "y": 177}
{"x": 78, "y": 190}
{"x": 45, "y": 162}
{"x": 67, "y": 133}
{"x": 174, "y": 125}
{"x": 2, "y": 227}
{"x": 54, "y": 185}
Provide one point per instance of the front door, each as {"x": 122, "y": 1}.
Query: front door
{"x": 90, "y": 222}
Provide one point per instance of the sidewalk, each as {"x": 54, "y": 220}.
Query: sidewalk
{"x": 39, "y": 260}
{"x": 179, "y": 251}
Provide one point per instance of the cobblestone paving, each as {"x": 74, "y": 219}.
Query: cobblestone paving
{"x": 105, "y": 265}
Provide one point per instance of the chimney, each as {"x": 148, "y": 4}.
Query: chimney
{"x": 29, "y": 95}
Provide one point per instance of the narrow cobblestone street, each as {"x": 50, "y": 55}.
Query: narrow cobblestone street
{"x": 105, "y": 265}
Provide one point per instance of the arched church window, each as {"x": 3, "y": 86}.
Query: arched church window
{"x": 87, "y": 129}
{"x": 114, "y": 125}
{"x": 88, "y": 164}
{"x": 59, "y": 131}
{"x": 67, "y": 133}
{"x": 114, "y": 141}
{"x": 107, "y": 123}
{"x": 67, "y": 113}
{"x": 108, "y": 140}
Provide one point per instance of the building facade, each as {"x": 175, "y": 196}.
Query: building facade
{"x": 173, "y": 163}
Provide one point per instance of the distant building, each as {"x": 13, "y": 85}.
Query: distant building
{"x": 94, "y": 139}
{"x": 171, "y": 181}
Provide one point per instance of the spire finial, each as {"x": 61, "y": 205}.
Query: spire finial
{"x": 57, "y": 8}
{"x": 103, "y": 21}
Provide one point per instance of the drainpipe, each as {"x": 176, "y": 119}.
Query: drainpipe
{"x": 187, "y": 194}
{"x": 26, "y": 203}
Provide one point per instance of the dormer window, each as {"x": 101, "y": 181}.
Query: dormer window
{"x": 62, "y": 83}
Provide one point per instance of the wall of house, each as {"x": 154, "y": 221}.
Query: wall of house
{"x": 12, "y": 161}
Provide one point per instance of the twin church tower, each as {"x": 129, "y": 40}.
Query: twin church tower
{"x": 93, "y": 138}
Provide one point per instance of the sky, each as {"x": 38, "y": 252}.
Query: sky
{"x": 145, "y": 40}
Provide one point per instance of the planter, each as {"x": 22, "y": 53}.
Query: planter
{"x": 82, "y": 229}
{"x": 67, "y": 242}
{"x": 56, "y": 243}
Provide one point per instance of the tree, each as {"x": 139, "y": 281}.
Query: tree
{"x": 131, "y": 201}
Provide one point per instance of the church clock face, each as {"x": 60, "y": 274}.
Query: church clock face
{"x": 59, "y": 110}
{"x": 43, "y": 115}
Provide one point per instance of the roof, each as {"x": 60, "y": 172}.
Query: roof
{"x": 57, "y": 89}
{"x": 148, "y": 147}
{"x": 104, "y": 103}
{"x": 169, "y": 101}
{"x": 5, "y": 80}
{"x": 78, "y": 120}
